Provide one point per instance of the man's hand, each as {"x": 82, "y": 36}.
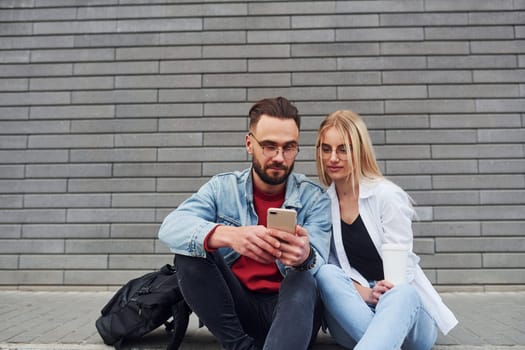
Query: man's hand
{"x": 250, "y": 241}
{"x": 294, "y": 248}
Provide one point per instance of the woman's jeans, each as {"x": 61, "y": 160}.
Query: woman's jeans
{"x": 241, "y": 319}
{"x": 398, "y": 320}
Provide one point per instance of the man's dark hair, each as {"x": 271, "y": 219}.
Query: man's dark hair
{"x": 278, "y": 107}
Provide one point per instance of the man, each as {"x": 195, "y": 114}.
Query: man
{"x": 252, "y": 286}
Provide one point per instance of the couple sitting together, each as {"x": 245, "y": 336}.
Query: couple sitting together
{"x": 260, "y": 288}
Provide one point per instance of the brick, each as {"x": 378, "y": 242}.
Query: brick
{"x": 246, "y": 51}
{"x": 156, "y": 169}
{"x": 10, "y": 231}
{"x": 507, "y": 260}
{"x": 245, "y": 22}
{"x": 431, "y": 167}
{"x": 110, "y": 215}
{"x": 70, "y": 141}
{"x": 112, "y": 68}
{"x": 42, "y": 156}
{"x": 502, "y": 196}
{"x": 201, "y": 154}
{"x": 469, "y": 33}
{"x": 11, "y": 201}
{"x": 109, "y": 246}
{"x": 499, "y": 76}
{"x": 183, "y": 185}
{"x": 72, "y": 112}
{"x": 430, "y": 106}
{"x": 440, "y": 261}
{"x": 100, "y": 277}
{"x": 246, "y": 79}
{"x": 147, "y": 200}
{"x": 116, "y": 39}
{"x": 160, "y": 110}
{"x": 113, "y": 155}
{"x": 158, "y": 140}
{"x": 430, "y": 136}
{"x": 272, "y": 8}
{"x": 113, "y": 125}
{"x": 30, "y": 42}
{"x": 396, "y": 121}
{"x": 500, "y": 106}
{"x": 478, "y": 151}
{"x": 9, "y": 262}
{"x": 204, "y": 66}
{"x": 292, "y": 65}
{"x": 71, "y": 83}
{"x": 384, "y": 6}
{"x": 412, "y": 182}
{"x": 380, "y": 34}
{"x": 13, "y": 142}
{"x": 84, "y": 261}
{"x": 471, "y": 61}
{"x": 481, "y": 244}
{"x": 31, "y": 277}
{"x": 337, "y": 49}
{"x": 28, "y": 186}
{"x": 114, "y": 96}
{"x": 67, "y": 200}
{"x": 501, "y": 46}
{"x": 15, "y": 28}
{"x": 426, "y": 48}
{"x": 68, "y": 170}
{"x": 423, "y": 19}
{"x": 155, "y": 81}
{"x": 74, "y": 27}
{"x": 226, "y": 138}
{"x": 474, "y": 91}
{"x": 511, "y": 228}
{"x": 477, "y": 181}
{"x": 204, "y": 124}
{"x": 158, "y": 25}
{"x": 11, "y": 171}
{"x": 463, "y": 197}
{"x": 294, "y": 93}
{"x": 467, "y": 5}
{"x": 324, "y": 107}
{"x": 35, "y": 70}
{"x": 111, "y": 185}
{"x": 134, "y": 230}
{"x": 336, "y": 78}
{"x": 502, "y": 165}
{"x": 24, "y": 216}
{"x": 34, "y": 127}
{"x": 136, "y": 261}
{"x": 154, "y": 53}
{"x": 16, "y": 56}
{"x": 285, "y": 36}
{"x": 382, "y": 92}
{"x": 14, "y": 113}
{"x": 425, "y": 77}
{"x": 402, "y": 151}
{"x": 82, "y": 230}
{"x": 474, "y": 121}
{"x": 482, "y": 276}
{"x": 17, "y": 84}
{"x": 34, "y": 98}
{"x": 201, "y": 95}
{"x": 486, "y": 212}
{"x": 72, "y": 55}
{"x": 210, "y": 169}
{"x": 202, "y": 38}
{"x": 331, "y": 21}
{"x": 381, "y": 63}
{"x": 493, "y": 17}
{"x": 29, "y": 246}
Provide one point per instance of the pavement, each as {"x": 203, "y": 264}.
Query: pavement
{"x": 65, "y": 320}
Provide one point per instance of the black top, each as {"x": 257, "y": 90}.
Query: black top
{"x": 360, "y": 250}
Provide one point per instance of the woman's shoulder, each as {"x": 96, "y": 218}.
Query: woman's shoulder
{"x": 381, "y": 188}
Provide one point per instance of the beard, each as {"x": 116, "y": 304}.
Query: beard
{"x": 265, "y": 172}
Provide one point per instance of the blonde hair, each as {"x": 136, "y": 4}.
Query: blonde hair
{"x": 357, "y": 139}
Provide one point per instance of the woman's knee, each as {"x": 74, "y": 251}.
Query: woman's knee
{"x": 327, "y": 275}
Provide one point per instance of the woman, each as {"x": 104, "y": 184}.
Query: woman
{"x": 367, "y": 211}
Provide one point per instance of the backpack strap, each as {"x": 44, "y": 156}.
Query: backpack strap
{"x": 178, "y": 326}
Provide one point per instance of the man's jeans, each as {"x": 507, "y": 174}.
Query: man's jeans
{"x": 241, "y": 319}
{"x": 397, "y": 321}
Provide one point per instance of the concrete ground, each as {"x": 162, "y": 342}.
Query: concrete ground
{"x": 52, "y": 320}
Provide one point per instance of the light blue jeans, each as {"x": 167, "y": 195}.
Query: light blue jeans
{"x": 398, "y": 320}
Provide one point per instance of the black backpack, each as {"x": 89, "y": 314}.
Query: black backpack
{"x": 142, "y": 305}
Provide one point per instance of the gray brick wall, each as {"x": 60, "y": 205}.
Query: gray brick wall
{"x": 113, "y": 112}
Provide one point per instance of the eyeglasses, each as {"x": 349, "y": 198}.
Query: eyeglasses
{"x": 340, "y": 151}
{"x": 270, "y": 150}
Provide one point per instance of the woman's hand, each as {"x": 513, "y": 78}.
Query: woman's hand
{"x": 380, "y": 288}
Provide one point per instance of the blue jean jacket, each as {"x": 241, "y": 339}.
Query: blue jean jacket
{"x": 227, "y": 199}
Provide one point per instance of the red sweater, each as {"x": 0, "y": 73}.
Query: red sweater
{"x": 253, "y": 275}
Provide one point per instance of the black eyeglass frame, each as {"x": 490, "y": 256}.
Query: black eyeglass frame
{"x": 271, "y": 150}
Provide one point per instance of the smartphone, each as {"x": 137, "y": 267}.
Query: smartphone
{"x": 282, "y": 219}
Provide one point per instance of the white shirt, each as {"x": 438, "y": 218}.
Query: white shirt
{"x": 387, "y": 215}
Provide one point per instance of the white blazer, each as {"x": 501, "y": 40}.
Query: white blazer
{"x": 387, "y": 215}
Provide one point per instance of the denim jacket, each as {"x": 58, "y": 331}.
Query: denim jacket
{"x": 227, "y": 199}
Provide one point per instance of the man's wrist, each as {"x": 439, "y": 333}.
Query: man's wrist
{"x": 310, "y": 261}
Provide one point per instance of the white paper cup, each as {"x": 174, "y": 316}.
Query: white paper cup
{"x": 395, "y": 259}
